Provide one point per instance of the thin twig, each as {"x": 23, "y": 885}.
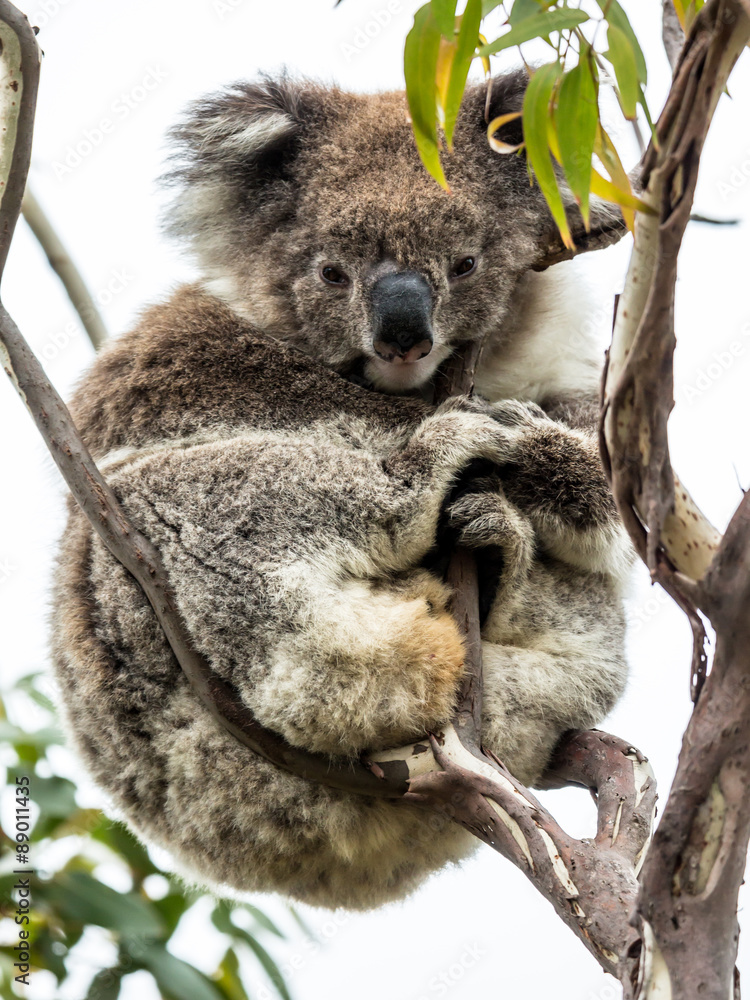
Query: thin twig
{"x": 63, "y": 265}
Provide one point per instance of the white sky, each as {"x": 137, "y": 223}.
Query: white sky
{"x": 135, "y": 65}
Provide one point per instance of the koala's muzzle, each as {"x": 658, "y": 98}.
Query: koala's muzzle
{"x": 402, "y": 317}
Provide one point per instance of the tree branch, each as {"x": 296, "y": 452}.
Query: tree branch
{"x": 687, "y": 904}
{"x": 672, "y": 34}
{"x": 63, "y": 265}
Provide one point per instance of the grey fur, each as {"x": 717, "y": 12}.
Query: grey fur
{"x": 298, "y": 512}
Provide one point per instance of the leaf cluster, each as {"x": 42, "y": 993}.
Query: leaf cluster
{"x": 69, "y": 899}
{"x": 567, "y": 146}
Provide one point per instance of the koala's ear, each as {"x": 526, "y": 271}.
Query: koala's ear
{"x": 246, "y": 133}
{"x": 503, "y": 95}
{"x": 230, "y": 153}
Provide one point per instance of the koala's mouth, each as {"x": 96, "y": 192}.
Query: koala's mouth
{"x": 400, "y": 375}
{"x": 395, "y": 354}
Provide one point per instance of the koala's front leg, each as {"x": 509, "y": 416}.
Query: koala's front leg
{"x": 461, "y": 431}
{"x": 555, "y": 478}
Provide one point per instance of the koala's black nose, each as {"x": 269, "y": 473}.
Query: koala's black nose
{"x": 402, "y": 310}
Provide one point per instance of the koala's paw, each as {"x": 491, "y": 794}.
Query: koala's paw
{"x": 518, "y": 414}
{"x": 508, "y": 412}
{"x": 482, "y": 516}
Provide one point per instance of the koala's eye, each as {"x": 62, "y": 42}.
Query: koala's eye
{"x": 463, "y": 267}
{"x": 333, "y": 275}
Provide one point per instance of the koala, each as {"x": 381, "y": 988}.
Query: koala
{"x": 270, "y": 429}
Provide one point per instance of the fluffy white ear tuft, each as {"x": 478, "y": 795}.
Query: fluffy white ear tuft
{"x": 254, "y": 136}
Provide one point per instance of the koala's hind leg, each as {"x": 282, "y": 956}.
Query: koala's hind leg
{"x": 383, "y": 656}
{"x": 553, "y": 661}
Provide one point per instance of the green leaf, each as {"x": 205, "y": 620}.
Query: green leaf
{"x": 120, "y": 840}
{"x": 577, "y": 118}
{"x": 489, "y": 5}
{"x": 228, "y": 980}
{"x": 221, "y": 918}
{"x": 444, "y": 12}
{"x": 54, "y": 796}
{"x": 420, "y": 66}
{"x": 302, "y": 923}
{"x": 615, "y": 15}
{"x": 522, "y": 9}
{"x": 176, "y": 979}
{"x": 263, "y": 920}
{"x": 622, "y": 57}
{"x": 171, "y": 907}
{"x": 106, "y": 984}
{"x": 40, "y": 738}
{"x": 466, "y": 47}
{"x": 45, "y": 955}
{"x": 28, "y": 684}
{"x": 536, "y": 116}
{"x": 272, "y": 970}
{"x": 79, "y": 896}
{"x": 537, "y": 26}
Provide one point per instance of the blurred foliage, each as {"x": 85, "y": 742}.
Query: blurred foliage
{"x": 590, "y": 44}
{"x": 69, "y": 899}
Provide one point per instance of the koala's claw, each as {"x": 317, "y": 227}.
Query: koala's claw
{"x": 517, "y": 413}
{"x": 482, "y": 516}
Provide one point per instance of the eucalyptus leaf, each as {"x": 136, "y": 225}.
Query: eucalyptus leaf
{"x": 176, "y": 979}
{"x": 468, "y": 37}
{"x": 615, "y": 15}
{"x": 105, "y": 985}
{"x": 228, "y": 980}
{"x": 79, "y": 896}
{"x": 622, "y": 57}
{"x": 39, "y": 738}
{"x": 54, "y": 796}
{"x": 577, "y": 119}
{"x": 421, "y": 52}
{"x": 263, "y": 920}
{"x": 444, "y": 12}
{"x": 272, "y": 969}
{"x": 625, "y": 198}
{"x": 522, "y": 9}
{"x": 536, "y": 120}
{"x": 539, "y": 25}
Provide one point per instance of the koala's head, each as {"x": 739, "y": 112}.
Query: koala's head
{"x": 310, "y": 213}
